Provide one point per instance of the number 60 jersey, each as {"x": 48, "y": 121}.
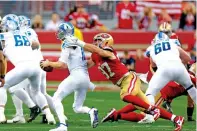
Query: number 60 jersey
{"x": 163, "y": 52}
{"x": 16, "y": 47}
{"x": 113, "y": 70}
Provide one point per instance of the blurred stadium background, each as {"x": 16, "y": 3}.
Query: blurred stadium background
{"x": 132, "y": 24}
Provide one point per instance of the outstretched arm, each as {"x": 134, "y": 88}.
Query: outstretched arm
{"x": 183, "y": 55}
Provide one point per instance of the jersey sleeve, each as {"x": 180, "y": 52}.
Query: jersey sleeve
{"x": 64, "y": 55}
{"x": 147, "y": 53}
{"x": 32, "y": 35}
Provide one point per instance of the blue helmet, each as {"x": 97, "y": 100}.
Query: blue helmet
{"x": 10, "y": 22}
{"x": 24, "y": 21}
{"x": 64, "y": 29}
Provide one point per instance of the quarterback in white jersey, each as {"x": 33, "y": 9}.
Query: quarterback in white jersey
{"x": 78, "y": 81}
{"x": 31, "y": 34}
{"x": 17, "y": 48}
{"x": 169, "y": 59}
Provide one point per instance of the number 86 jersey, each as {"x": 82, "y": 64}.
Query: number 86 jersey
{"x": 113, "y": 70}
{"x": 163, "y": 52}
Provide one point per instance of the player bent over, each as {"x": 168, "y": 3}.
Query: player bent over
{"x": 105, "y": 58}
{"x": 17, "y": 48}
{"x": 73, "y": 58}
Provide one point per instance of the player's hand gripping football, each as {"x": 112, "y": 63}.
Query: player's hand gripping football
{"x": 45, "y": 66}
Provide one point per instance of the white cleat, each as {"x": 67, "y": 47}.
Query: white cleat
{"x": 148, "y": 119}
{"x": 62, "y": 127}
{"x": 2, "y": 118}
{"x": 94, "y": 117}
{"x": 50, "y": 119}
{"x": 17, "y": 119}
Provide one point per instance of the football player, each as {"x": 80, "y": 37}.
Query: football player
{"x": 105, "y": 58}
{"x": 25, "y": 24}
{"x": 73, "y": 58}
{"x": 17, "y": 48}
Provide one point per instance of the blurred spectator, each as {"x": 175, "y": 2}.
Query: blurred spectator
{"x": 77, "y": 32}
{"x": 124, "y": 13}
{"x": 52, "y": 25}
{"x": 128, "y": 61}
{"x": 95, "y": 24}
{"x": 68, "y": 17}
{"x": 145, "y": 19}
{"x": 81, "y": 17}
{"x": 188, "y": 18}
{"x": 163, "y": 17}
{"x": 193, "y": 51}
{"x": 37, "y": 23}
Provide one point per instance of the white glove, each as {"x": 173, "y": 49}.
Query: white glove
{"x": 73, "y": 41}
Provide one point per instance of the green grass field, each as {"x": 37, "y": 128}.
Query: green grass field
{"x": 104, "y": 101}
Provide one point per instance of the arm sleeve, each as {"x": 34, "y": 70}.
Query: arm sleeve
{"x": 64, "y": 55}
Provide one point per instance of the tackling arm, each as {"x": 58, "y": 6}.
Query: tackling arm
{"x": 90, "y": 63}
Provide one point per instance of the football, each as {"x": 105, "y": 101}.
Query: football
{"x": 48, "y": 69}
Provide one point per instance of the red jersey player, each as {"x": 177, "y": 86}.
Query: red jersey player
{"x": 105, "y": 58}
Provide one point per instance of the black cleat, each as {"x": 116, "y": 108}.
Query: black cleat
{"x": 35, "y": 111}
{"x": 44, "y": 119}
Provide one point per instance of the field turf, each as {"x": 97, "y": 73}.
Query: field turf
{"x": 104, "y": 101}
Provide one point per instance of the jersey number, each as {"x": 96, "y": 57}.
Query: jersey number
{"x": 108, "y": 73}
{"x": 164, "y": 46}
{"x": 21, "y": 40}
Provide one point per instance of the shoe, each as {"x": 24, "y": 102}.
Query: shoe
{"x": 148, "y": 119}
{"x": 50, "y": 118}
{"x": 35, "y": 111}
{"x": 178, "y": 122}
{"x": 112, "y": 115}
{"x": 17, "y": 119}
{"x": 61, "y": 127}
{"x": 167, "y": 106}
{"x": 190, "y": 119}
{"x": 44, "y": 119}
{"x": 93, "y": 113}
{"x": 2, "y": 118}
{"x": 155, "y": 112}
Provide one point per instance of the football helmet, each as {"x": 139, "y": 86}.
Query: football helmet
{"x": 10, "y": 22}
{"x": 65, "y": 29}
{"x": 24, "y": 21}
{"x": 166, "y": 28}
{"x": 103, "y": 40}
{"x": 160, "y": 37}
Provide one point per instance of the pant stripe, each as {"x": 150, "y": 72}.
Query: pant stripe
{"x": 159, "y": 101}
{"x": 132, "y": 84}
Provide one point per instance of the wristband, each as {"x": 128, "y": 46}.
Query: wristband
{"x": 2, "y": 76}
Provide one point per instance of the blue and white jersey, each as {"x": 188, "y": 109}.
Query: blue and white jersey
{"x": 163, "y": 51}
{"x": 74, "y": 57}
{"x": 31, "y": 34}
{"x": 16, "y": 47}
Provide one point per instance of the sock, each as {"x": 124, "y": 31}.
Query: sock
{"x": 136, "y": 101}
{"x": 165, "y": 114}
{"x": 40, "y": 100}
{"x": 59, "y": 111}
{"x": 3, "y": 99}
{"x": 83, "y": 109}
{"x": 24, "y": 97}
{"x": 131, "y": 116}
{"x": 50, "y": 102}
{"x": 18, "y": 105}
{"x": 192, "y": 93}
{"x": 190, "y": 111}
{"x": 127, "y": 108}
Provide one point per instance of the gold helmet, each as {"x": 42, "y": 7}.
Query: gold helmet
{"x": 166, "y": 28}
{"x": 103, "y": 40}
